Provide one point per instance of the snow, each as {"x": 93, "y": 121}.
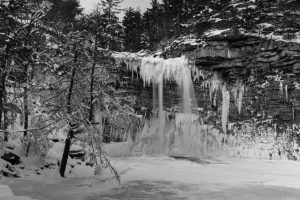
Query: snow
{"x": 168, "y": 178}
{"x": 7, "y": 194}
{"x": 5, "y": 191}
{"x": 215, "y": 32}
{"x": 280, "y": 37}
{"x": 266, "y": 25}
{"x": 76, "y": 147}
{"x": 215, "y": 19}
{"x": 119, "y": 149}
{"x": 55, "y": 153}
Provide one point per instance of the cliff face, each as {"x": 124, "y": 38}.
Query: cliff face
{"x": 268, "y": 71}
{"x": 253, "y": 50}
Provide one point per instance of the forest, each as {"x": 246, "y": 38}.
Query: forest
{"x": 192, "y": 80}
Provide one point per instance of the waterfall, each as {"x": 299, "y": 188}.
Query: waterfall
{"x": 158, "y": 70}
{"x": 185, "y": 134}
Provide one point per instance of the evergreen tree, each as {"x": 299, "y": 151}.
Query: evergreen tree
{"x": 108, "y": 28}
{"x": 132, "y": 30}
{"x": 64, "y": 10}
{"x": 153, "y": 25}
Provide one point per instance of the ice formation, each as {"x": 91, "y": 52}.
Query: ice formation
{"x": 215, "y": 85}
{"x": 186, "y": 134}
{"x": 157, "y": 70}
{"x": 237, "y": 94}
{"x": 240, "y": 98}
{"x": 225, "y": 108}
{"x": 286, "y": 93}
{"x": 281, "y": 89}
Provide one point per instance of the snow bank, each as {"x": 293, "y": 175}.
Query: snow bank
{"x": 7, "y": 194}
{"x": 119, "y": 149}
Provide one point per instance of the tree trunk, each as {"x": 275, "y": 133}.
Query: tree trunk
{"x": 27, "y": 55}
{"x": 4, "y": 102}
{"x": 65, "y": 156}
{"x": 68, "y": 141}
{"x": 1, "y": 101}
{"x": 26, "y": 112}
{"x": 91, "y": 114}
{"x": 25, "y": 101}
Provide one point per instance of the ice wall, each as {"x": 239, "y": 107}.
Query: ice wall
{"x": 184, "y": 134}
{"x": 156, "y": 71}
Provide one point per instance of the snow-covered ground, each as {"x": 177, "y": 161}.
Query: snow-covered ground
{"x": 7, "y": 194}
{"x": 161, "y": 177}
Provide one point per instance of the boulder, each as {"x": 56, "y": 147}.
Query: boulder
{"x": 9, "y": 171}
{"x": 11, "y": 158}
{"x": 77, "y": 154}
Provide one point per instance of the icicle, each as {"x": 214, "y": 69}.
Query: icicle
{"x": 215, "y": 84}
{"x": 215, "y": 100}
{"x": 229, "y": 53}
{"x": 161, "y": 103}
{"x": 187, "y": 84}
{"x": 240, "y": 99}
{"x": 286, "y": 93}
{"x": 234, "y": 92}
{"x": 131, "y": 70}
{"x": 154, "y": 97}
{"x": 225, "y": 108}
{"x": 293, "y": 112}
{"x": 280, "y": 89}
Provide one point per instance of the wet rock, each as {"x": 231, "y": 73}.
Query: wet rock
{"x": 89, "y": 164}
{"x": 51, "y": 163}
{"x": 291, "y": 156}
{"x": 77, "y": 154}
{"x": 11, "y": 158}
{"x": 9, "y": 171}
{"x": 55, "y": 140}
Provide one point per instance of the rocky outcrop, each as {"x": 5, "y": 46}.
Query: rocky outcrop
{"x": 268, "y": 123}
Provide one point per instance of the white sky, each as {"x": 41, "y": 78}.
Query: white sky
{"x": 89, "y": 5}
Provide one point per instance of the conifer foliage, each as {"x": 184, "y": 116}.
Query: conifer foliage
{"x": 132, "y": 24}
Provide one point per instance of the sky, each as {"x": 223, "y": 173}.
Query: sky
{"x": 89, "y": 5}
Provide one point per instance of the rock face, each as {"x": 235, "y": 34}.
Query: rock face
{"x": 269, "y": 72}
{"x": 253, "y": 49}
{"x": 77, "y": 154}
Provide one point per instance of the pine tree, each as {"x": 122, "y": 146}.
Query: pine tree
{"x": 153, "y": 25}
{"x": 64, "y": 11}
{"x": 132, "y": 30}
{"x": 108, "y": 26}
